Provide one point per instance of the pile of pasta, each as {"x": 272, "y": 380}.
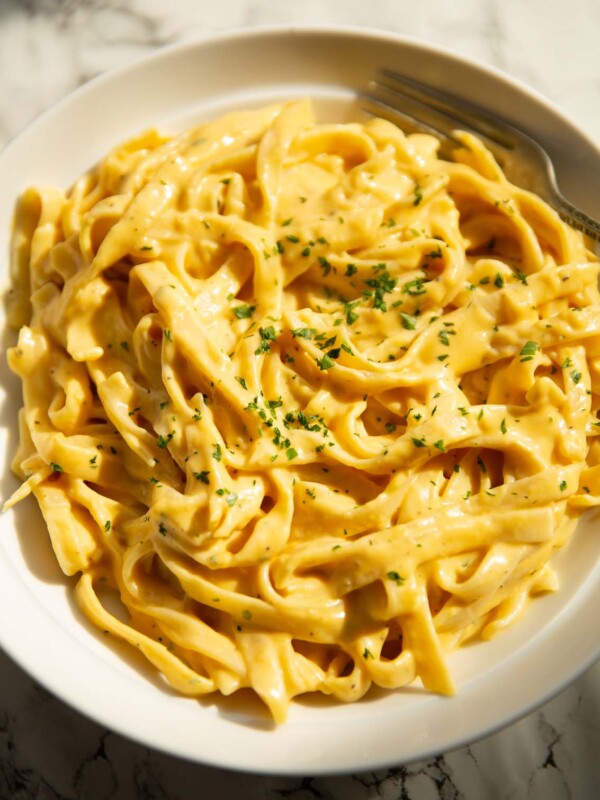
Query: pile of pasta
{"x": 305, "y": 406}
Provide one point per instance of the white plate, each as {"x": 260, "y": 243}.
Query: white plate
{"x": 41, "y": 628}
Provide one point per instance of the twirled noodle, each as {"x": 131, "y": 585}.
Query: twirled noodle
{"x": 317, "y": 405}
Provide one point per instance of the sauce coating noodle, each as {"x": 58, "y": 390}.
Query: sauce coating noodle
{"x": 316, "y": 405}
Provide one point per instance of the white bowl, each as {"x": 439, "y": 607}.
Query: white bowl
{"x": 41, "y": 628}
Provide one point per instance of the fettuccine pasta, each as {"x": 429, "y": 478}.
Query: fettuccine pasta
{"x": 305, "y": 406}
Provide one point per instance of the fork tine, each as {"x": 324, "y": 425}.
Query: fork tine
{"x": 461, "y": 111}
{"x": 413, "y": 118}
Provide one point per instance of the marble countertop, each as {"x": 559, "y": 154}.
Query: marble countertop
{"x": 48, "y": 48}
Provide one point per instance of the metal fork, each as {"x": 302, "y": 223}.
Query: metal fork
{"x": 428, "y": 110}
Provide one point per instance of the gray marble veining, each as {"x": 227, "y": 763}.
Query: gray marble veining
{"x": 49, "y": 47}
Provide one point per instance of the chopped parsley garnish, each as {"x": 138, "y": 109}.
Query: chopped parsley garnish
{"x": 499, "y": 281}
{"x": 382, "y": 284}
{"x": 167, "y": 333}
{"x": 241, "y": 381}
{"x": 267, "y": 335}
{"x": 418, "y": 194}
{"x": 163, "y": 441}
{"x": 326, "y": 362}
{"x": 408, "y": 322}
{"x": 396, "y": 577}
{"x": 528, "y": 350}
{"x": 503, "y": 426}
{"x": 230, "y": 497}
{"x": 303, "y": 333}
{"x": 244, "y": 311}
{"x": 418, "y": 442}
{"x": 350, "y": 270}
{"x": 443, "y": 336}
{"x": 562, "y": 486}
{"x": 576, "y": 376}
{"x": 440, "y": 445}
{"x": 217, "y": 453}
{"x": 291, "y": 453}
{"x": 202, "y": 476}
{"x": 351, "y": 315}
{"x": 414, "y": 287}
{"x": 325, "y": 265}
{"x": 107, "y": 525}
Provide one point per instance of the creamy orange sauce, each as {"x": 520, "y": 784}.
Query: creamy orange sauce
{"x": 316, "y": 405}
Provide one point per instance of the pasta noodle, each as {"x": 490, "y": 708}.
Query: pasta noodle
{"x": 305, "y": 406}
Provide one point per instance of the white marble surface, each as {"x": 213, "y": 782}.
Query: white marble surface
{"x": 49, "y": 47}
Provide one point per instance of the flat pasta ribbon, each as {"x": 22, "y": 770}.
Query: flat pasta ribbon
{"x": 312, "y": 404}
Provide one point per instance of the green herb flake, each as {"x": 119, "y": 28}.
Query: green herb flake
{"x": 202, "y": 476}
{"x": 408, "y": 322}
{"x": 217, "y": 453}
{"x": 241, "y": 381}
{"x": 163, "y": 441}
{"x": 418, "y": 442}
{"x": 107, "y": 525}
{"x": 414, "y": 288}
{"x": 562, "y": 486}
{"x": 325, "y": 363}
{"x": 267, "y": 335}
{"x": 418, "y": 194}
{"x": 576, "y": 376}
{"x": 244, "y": 311}
{"x": 528, "y": 350}
{"x": 503, "y": 426}
{"x": 167, "y": 333}
{"x": 396, "y": 577}
{"x": 303, "y": 333}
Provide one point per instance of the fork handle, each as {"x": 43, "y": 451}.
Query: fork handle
{"x": 575, "y": 217}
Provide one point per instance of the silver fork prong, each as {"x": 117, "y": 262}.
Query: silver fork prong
{"x": 465, "y": 114}
{"x": 523, "y": 160}
{"x": 375, "y": 102}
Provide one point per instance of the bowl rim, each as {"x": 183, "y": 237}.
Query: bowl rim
{"x": 54, "y": 682}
